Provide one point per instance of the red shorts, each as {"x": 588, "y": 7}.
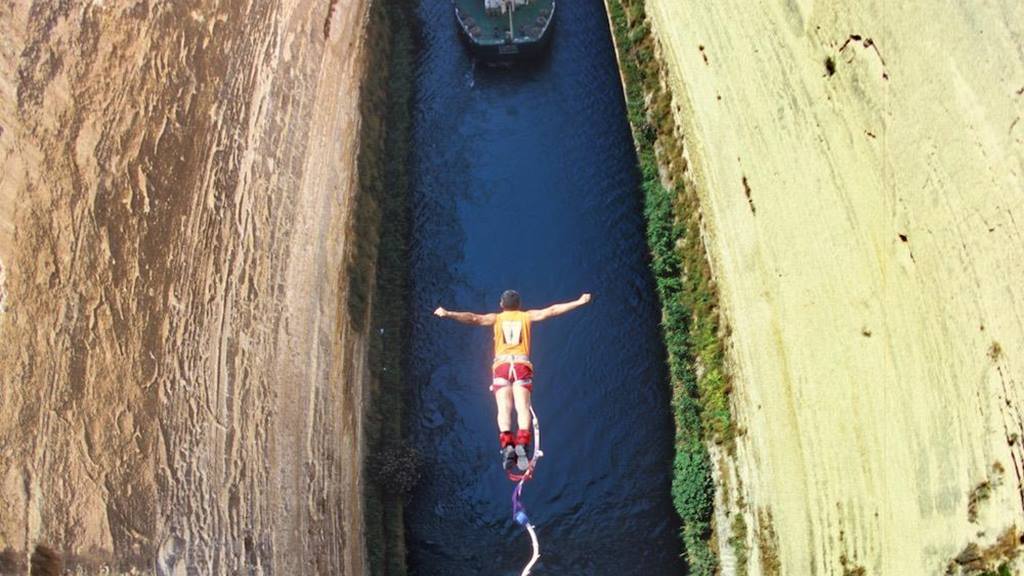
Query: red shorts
{"x": 512, "y": 373}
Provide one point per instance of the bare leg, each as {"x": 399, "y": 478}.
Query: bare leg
{"x": 522, "y": 398}
{"x": 503, "y": 397}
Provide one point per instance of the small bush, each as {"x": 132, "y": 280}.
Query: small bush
{"x": 738, "y": 541}
{"x": 396, "y": 469}
{"x": 995, "y": 351}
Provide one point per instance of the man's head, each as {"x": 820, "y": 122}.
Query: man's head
{"x": 510, "y": 300}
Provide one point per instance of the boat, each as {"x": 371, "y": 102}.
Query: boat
{"x": 505, "y": 29}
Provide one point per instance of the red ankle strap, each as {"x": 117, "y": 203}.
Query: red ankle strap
{"x": 523, "y": 438}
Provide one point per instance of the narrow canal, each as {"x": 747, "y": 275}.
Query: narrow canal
{"x": 525, "y": 178}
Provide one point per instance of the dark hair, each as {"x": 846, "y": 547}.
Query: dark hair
{"x": 510, "y": 300}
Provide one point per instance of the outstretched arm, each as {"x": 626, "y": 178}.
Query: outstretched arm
{"x": 558, "y": 309}
{"x": 466, "y": 317}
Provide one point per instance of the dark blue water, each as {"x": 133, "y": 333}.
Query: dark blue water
{"x": 525, "y": 178}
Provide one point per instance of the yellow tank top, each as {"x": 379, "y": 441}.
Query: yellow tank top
{"x": 512, "y": 333}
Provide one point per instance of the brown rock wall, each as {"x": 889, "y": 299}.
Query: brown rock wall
{"x": 180, "y": 388}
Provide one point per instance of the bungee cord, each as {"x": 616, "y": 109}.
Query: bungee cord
{"x": 518, "y": 510}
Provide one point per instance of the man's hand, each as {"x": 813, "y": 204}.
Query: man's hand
{"x": 440, "y": 312}
{"x": 584, "y": 298}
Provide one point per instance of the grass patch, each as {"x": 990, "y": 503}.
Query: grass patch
{"x": 378, "y": 268}
{"x": 768, "y": 544}
{"x": 1002, "y": 570}
{"x": 690, "y": 319}
{"x": 995, "y": 560}
{"x": 978, "y": 494}
{"x": 850, "y": 568}
{"x": 738, "y": 542}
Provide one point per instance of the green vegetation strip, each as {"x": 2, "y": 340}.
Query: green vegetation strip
{"x": 690, "y": 320}
{"x": 378, "y": 268}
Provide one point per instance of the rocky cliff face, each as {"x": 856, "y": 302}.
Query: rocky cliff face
{"x": 860, "y": 168}
{"x": 181, "y": 384}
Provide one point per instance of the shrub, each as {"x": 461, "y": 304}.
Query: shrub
{"x": 396, "y": 469}
{"x": 690, "y": 324}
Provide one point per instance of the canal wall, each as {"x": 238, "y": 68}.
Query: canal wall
{"x": 857, "y": 176}
{"x": 187, "y": 269}
{"x": 380, "y": 269}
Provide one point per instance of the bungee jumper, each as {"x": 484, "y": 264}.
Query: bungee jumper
{"x": 512, "y": 371}
{"x": 512, "y": 385}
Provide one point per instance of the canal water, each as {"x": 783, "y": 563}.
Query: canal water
{"x": 526, "y": 178}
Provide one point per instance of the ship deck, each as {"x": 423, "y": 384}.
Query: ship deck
{"x": 494, "y": 27}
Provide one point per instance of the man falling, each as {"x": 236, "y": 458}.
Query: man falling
{"x": 512, "y": 370}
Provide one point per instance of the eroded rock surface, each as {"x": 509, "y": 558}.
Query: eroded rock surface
{"x": 180, "y": 384}
{"x": 860, "y": 170}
